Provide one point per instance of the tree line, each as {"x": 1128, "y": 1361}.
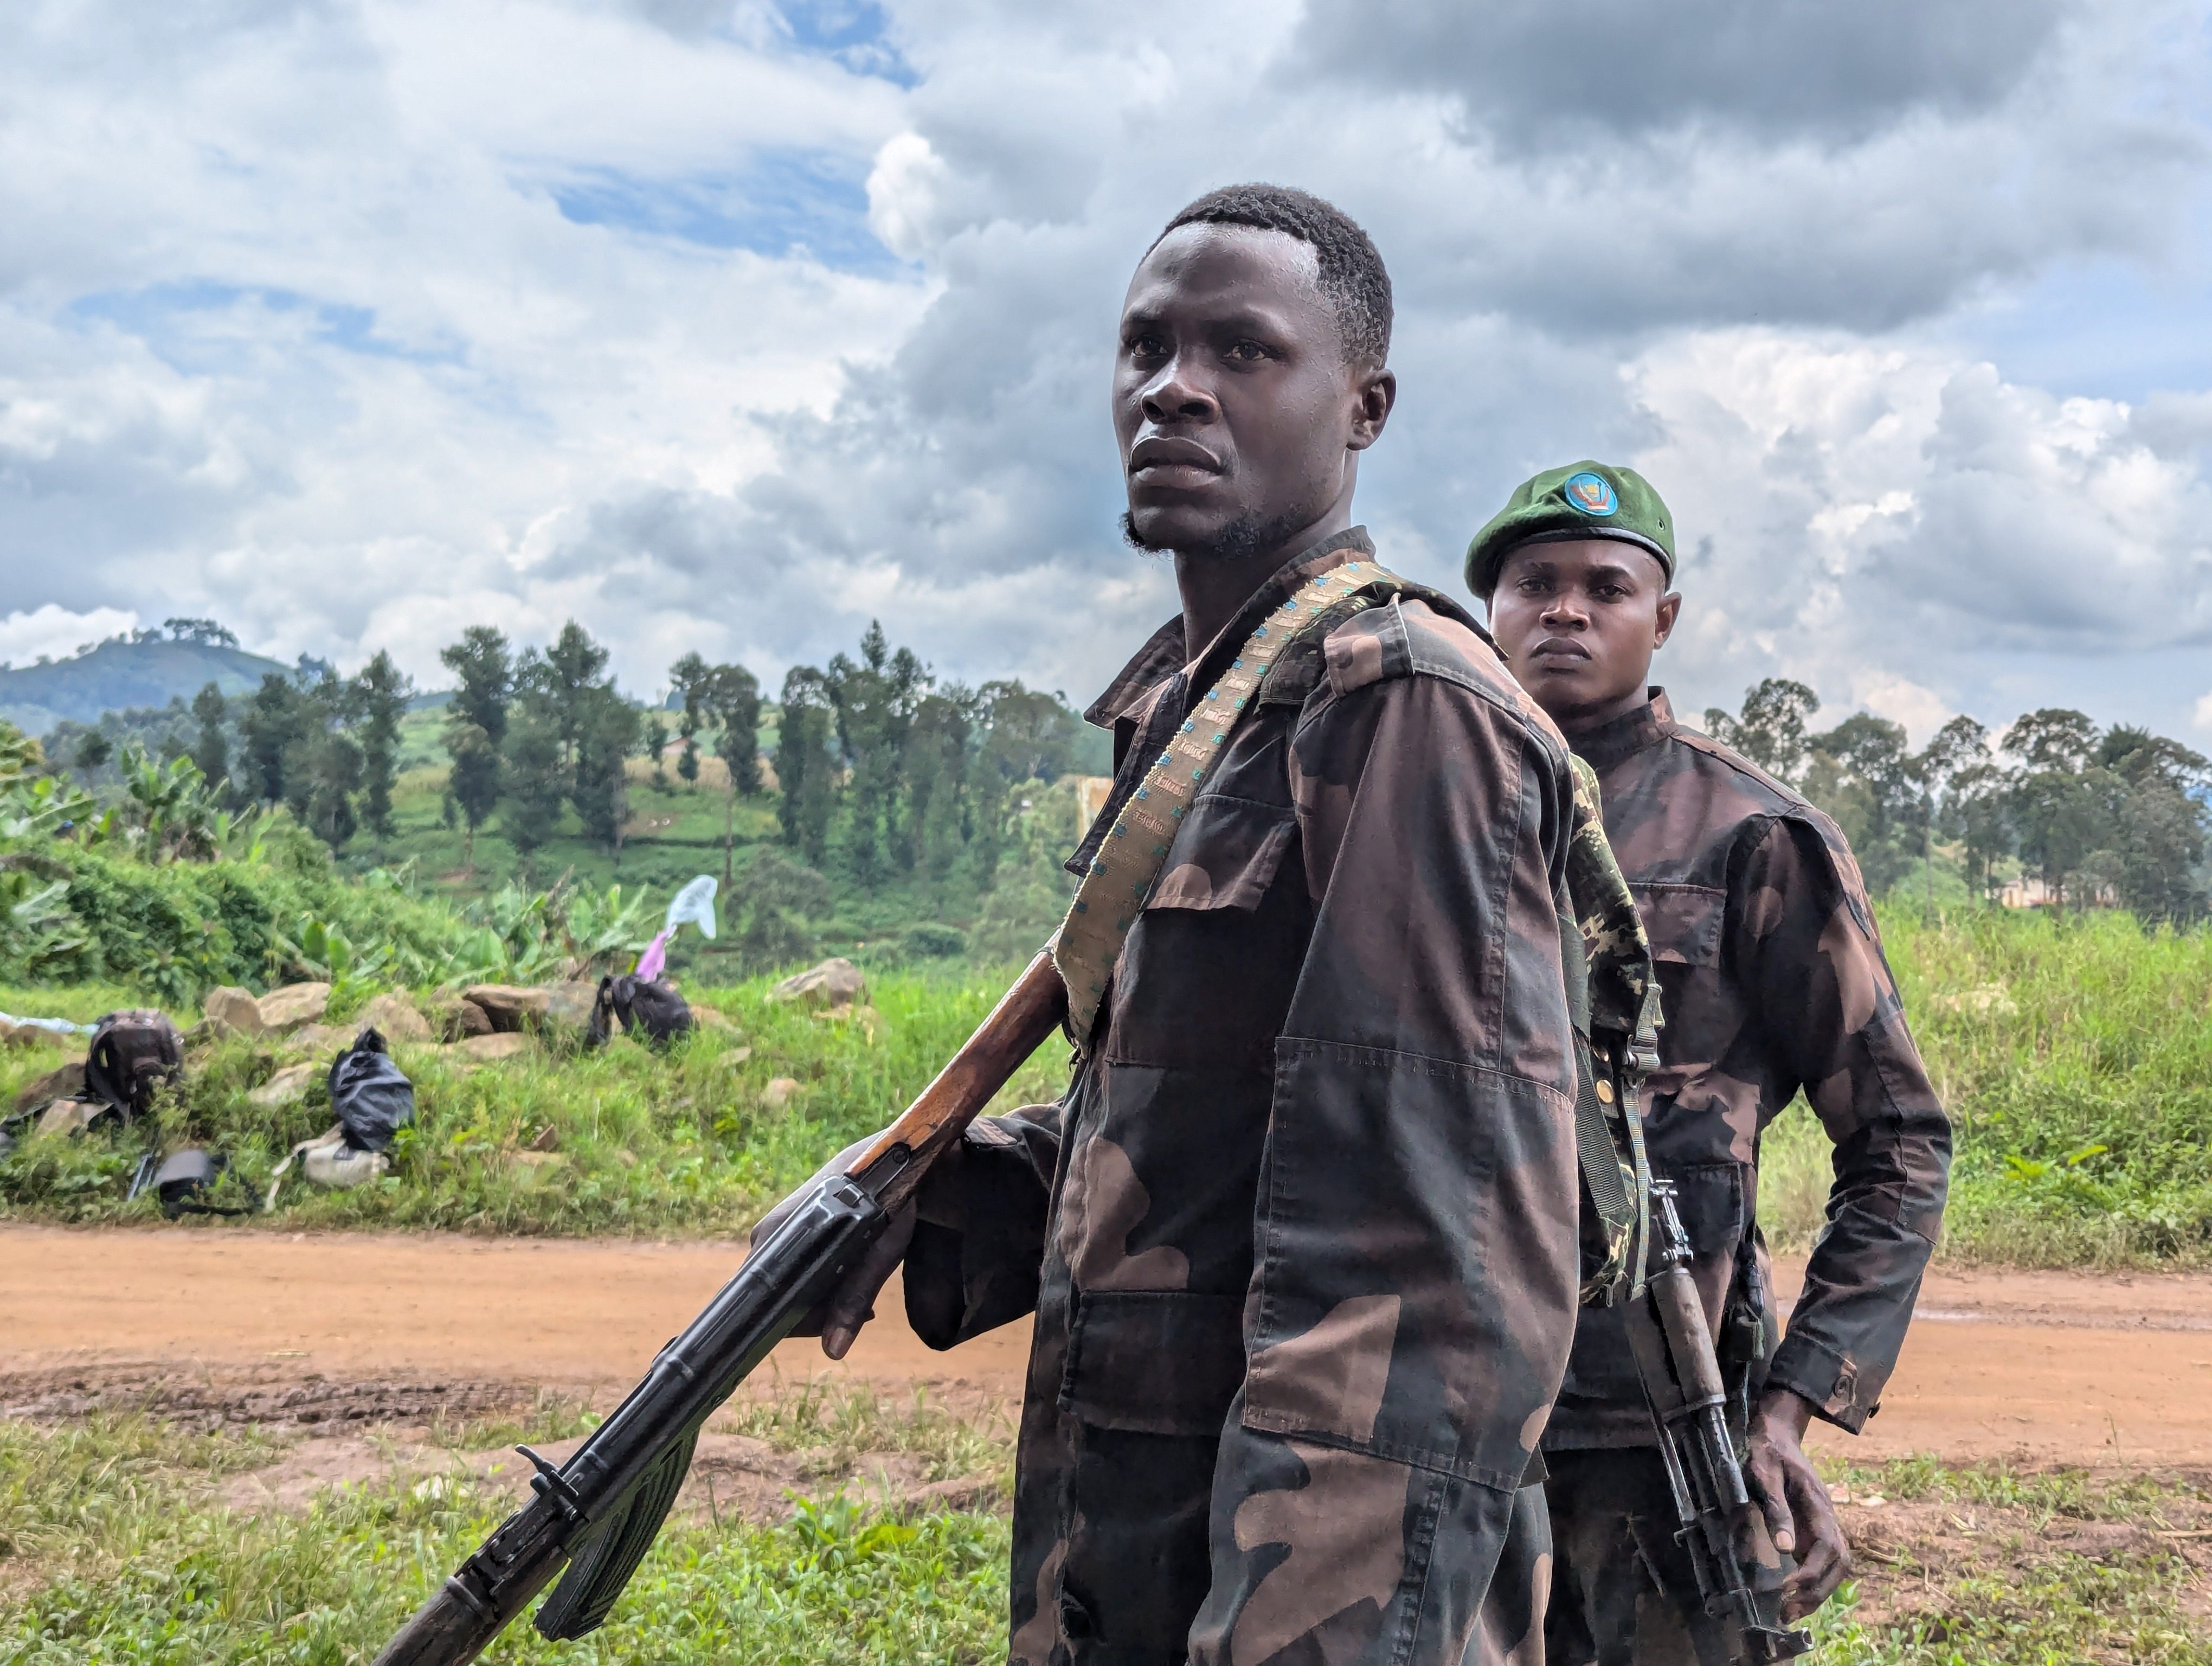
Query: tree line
{"x": 2092, "y": 813}
{"x": 878, "y": 770}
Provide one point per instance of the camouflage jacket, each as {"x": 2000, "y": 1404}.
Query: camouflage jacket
{"x": 1301, "y": 1240}
{"x": 1772, "y": 982}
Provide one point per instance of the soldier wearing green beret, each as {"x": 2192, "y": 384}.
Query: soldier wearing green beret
{"x": 1774, "y": 983}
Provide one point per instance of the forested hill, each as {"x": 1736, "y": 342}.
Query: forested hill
{"x": 149, "y": 668}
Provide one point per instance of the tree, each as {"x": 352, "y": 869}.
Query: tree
{"x": 2055, "y": 794}
{"x": 1027, "y": 734}
{"x": 269, "y": 729}
{"x": 875, "y": 698}
{"x": 656, "y": 747}
{"x": 607, "y": 730}
{"x": 1771, "y": 732}
{"x": 212, "y": 753}
{"x": 379, "y": 694}
{"x": 803, "y": 767}
{"x": 570, "y": 675}
{"x": 692, "y": 677}
{"x": 476, "y": 726}
{"x": 537, "y": 778}
{"x": 732, "y": 698}
{"x": 206, "y": 633}
{"x": 1863, "y": 773}
{"x": 94, "y": 750}
{"x": 2158, "y": 838}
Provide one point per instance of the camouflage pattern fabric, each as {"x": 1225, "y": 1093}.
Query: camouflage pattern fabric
{"x": 1619, "y": 1021}
{"x": 1128, "y": 859}
{"x": 1623, "y": 1593}
{"x": 1300, "y": 1239}
{"x": 1773, "y": 981}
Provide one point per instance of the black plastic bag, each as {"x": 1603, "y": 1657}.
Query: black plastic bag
{"x": 372, "y": 1099}
{"x": 638, "y": 1004}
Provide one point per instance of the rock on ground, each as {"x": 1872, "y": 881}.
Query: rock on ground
{"x": 66, "y": 1083}
{"x": 568, "y": 1006}
{"x": 509, "y": 1007}
{"x": 234, "y": 1011}
{"x": 395, "y": 1018}
{"x": 777, "y": 1094}
{"x": 293, "y": 1005}
{"x": 288, "y": 1086}
{"x": 486, "y": 1049}
{"x": 836, "y": 983}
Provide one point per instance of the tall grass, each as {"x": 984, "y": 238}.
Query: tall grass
{"x": 684, "y": 1139}
{"x": 2074, "y": 1056}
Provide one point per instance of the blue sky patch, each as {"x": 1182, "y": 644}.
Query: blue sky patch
{"x": 181, "y": 321}
{"x": 783, "y": 201}
{"x": 853, "y": 33}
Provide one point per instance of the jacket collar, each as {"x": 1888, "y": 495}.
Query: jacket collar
{"x": 1628, "y": 734}
{"x": 1165, "y": 652}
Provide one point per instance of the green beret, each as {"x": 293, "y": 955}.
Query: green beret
{"x": 1583, "y": 500}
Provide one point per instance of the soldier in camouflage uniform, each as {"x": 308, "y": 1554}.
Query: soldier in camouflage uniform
{"x": 1773, "y": 983}
{"x": 1301, "y": 1240}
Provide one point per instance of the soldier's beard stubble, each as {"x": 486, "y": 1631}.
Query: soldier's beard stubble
{"x": 1247, "y": 536}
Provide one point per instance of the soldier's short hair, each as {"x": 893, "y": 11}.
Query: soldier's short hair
{"x": 1351, "y": 274}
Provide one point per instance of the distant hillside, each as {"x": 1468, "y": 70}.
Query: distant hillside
{"x": 118, "y": 675}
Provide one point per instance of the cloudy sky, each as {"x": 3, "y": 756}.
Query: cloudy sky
{"x": 728, "y": 326}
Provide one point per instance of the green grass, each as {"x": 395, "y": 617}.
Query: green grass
{"x": 1988, "y": 1566}
{"x": 2074, "y": 1056}
{"x": 645, "y": 1140}
{"x": 121, "y": 1551}
{"x": 115, "y": 1546}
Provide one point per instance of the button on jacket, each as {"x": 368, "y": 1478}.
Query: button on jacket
{"x": 1301, "y": 1240}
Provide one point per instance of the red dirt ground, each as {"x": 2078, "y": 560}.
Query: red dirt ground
{"x": 2041, "y": 1366}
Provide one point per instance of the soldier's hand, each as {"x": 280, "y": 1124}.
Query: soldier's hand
{"x": 852, "y": 1305}
{"x": 1799, "y": 1512}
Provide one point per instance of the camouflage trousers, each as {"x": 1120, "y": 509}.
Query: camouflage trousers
{"x": 1623, "y": 1591}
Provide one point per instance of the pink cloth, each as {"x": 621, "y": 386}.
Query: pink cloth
{"x": 654, "y": 960}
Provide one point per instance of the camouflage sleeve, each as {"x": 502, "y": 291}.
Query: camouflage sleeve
{"x": 961, "y": 1283}
{"x": 1830, "y": 1010}
{"x": 1414, "y": 1297}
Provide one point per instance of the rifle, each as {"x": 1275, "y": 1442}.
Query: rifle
{"x": 598, "y": 1512}
{"x": 1674, "y": 1350}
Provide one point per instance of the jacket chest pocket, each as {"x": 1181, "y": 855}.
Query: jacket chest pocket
{"x": 1683, "y": 922}
{"x": 1225, "y": 856}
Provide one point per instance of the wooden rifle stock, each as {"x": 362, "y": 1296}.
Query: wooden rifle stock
{"x": 598, "y": 1513}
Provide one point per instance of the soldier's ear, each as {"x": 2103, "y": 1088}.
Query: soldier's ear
{"x": 1670, "y": 608}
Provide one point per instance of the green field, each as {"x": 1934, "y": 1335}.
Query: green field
{"x": 2074, "y": 1055}
{"x": 116, "y": 1546}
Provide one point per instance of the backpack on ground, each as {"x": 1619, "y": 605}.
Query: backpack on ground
{"x": 134, "y": 1055}
{"x": 637, "y": 1003}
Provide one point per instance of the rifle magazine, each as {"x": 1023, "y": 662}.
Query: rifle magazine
{"x": 603, "y": 1564}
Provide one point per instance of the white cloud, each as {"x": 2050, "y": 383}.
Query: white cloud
{"x": 54, "y": 633}
{"x": 352, "y": 322}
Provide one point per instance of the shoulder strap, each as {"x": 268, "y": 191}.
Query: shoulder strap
{"x": 1088, "y": 943}
{"x": 1616, "y": 1046}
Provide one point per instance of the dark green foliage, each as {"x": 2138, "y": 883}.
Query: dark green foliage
{"x": 534, "y": 779}
{"x": 480, "y": 659}
{"x": 212, "y": 750}
{"x": 774, "y": 908}
{"x": 2116, "y": 815}
{"x": 804, "y": 766}
{"x": 1771, "y": 730}
{"x": 476, "y": 725}
{"x": 271, "y": 723}
{"x": 379, "y": 694}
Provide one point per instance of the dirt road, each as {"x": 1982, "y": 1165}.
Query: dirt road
{"x": 2050, "y": 1366}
